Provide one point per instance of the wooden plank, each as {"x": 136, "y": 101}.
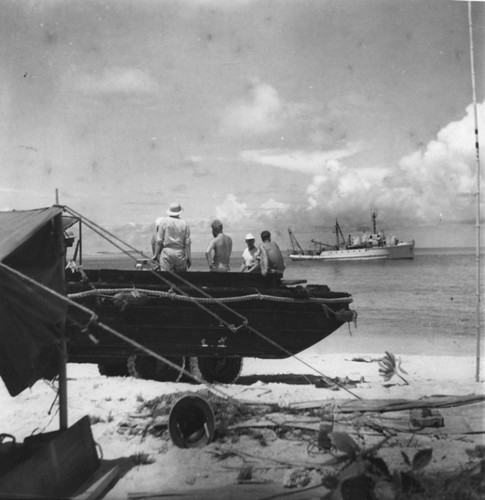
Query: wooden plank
{"x": 388, "y": 405}
{"x": 293, "y": 282}
{"x": 234, "y": 492}
{"x": 57, "y": 467}
{"x": 98, "y": 487}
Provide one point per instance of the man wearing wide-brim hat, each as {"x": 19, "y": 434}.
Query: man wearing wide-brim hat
{"x": 172, "y": 241}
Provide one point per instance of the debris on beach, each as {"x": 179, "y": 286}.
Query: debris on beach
{"x": 385, "y": 447}
{"x": 390, "y": 366}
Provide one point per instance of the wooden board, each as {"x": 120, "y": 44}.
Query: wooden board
{"x": 234, "y": 492}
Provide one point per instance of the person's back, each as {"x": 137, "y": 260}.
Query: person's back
{"x": 218, "y": 253}
{"x": 172, "y": 242}
{"x": 174, "y": 231}
{"x": 272, "y": 260}
{"x": 222, "y": 249}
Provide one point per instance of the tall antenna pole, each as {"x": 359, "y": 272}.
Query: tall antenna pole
{"x": 477, "y": 151}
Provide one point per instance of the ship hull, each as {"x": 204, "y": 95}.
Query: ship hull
{"x": 400, "y": 251}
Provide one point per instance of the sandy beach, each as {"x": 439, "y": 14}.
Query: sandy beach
{"x": 150, "y": 466}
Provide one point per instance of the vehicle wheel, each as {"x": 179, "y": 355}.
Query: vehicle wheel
{"x": 216, "y": 369}
{"x": 111, "y": 369}
{"x": 147, "y": 367}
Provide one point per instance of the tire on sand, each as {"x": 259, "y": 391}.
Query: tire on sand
{"x": 216, "y": 369}
{"x": 113, "y": 369}
{"x": 147, "y": 367}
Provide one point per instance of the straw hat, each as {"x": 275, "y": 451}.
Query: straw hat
{"x": 174, "y": 209}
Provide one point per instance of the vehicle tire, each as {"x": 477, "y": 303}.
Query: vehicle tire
{"x": 147, "y": 367}
{"x": 116, "y": 369}
{"x": 216, "y": 369}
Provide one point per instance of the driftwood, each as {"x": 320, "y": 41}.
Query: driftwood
{"x": 387, "y": 405}
{"x": 280, "y": 420}
{"x": 462, "y": 415}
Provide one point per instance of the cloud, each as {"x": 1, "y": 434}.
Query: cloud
{"x": 117, "y": 80}
{"x": 426, "y": 185}
{"x": 433, "y": 185}
{"x": 261, "y": 112}
{"x": 306, "y": 162}
{"x": 273, "y": 205}
{"x": 233, "y": 210}
{"x": 442, "y": 176}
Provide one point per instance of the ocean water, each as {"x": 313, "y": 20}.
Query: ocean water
{"x": 422, "y": 306}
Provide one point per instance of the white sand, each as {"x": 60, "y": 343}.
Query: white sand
{"x": 110, "y": 401}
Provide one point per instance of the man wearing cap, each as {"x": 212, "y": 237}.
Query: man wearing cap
{"x": 250, "y": 256}
{"x": 172, "y": 242}
{"x": 219, "y": 250}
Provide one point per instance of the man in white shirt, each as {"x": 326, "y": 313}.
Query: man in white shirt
{"x": 172, "y": 242}
{"x": 250, "y": 256}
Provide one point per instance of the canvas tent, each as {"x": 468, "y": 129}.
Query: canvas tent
{"x": 31, "y": 319}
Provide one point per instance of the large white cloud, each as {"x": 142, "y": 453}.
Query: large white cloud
{"x": 443, "y": 176}
{"x": 436, "y": 183}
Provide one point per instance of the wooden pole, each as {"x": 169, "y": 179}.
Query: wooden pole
{"x": 477, "y": 194}
{"x": 63, "y": 424}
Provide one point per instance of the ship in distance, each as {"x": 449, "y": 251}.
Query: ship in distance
{"x": 367, "y": 246}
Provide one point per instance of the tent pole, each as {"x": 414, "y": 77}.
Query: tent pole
{"x": 63, "y": 383}
{"x": 477, "y": 223}
{"x": 63, "y": 424}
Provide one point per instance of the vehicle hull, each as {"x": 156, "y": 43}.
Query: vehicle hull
{"x": 266, "y": 318}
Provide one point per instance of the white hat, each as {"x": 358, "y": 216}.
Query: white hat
{"x": 174, "y": 209}
{"x": 249, "y": 236}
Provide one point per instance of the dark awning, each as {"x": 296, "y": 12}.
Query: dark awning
{"x": 31, "y": 319}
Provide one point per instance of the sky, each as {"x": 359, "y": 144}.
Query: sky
{"x": 266, "y": 114}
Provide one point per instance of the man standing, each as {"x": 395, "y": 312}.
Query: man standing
{"x": 172, "y": 242}
{"x": 154, "y": 236}
{"x": 250, "y": 256}
{"x": 271, "y": 257}
{"x": 219, "y": 250}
